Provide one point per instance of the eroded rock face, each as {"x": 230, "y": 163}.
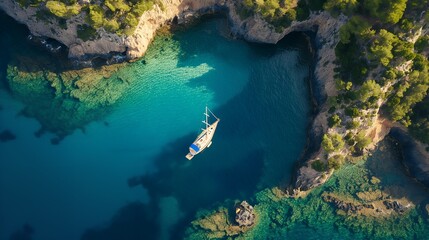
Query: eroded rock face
{"x": 105, "y": 45}
{"x": 253, "y": 28}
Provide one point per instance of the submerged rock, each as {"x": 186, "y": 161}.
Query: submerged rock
{"x": 7, "y": 135}
{"x": 214, "y": 225}
{"x": 395, "y": 205}
{"x": 245, "y": 215}
{"x": 345, "y": 205}
{"x": 66, "y": 101}
{"x": 24, "y": 233}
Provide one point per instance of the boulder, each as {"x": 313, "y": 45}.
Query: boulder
{"x": 245, "y": 215}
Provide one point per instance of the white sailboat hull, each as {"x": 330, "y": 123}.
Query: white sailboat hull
{"x": 203, "y": 140}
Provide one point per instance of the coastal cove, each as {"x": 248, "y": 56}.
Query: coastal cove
{"x": 142, "y": 138}
{"x": 98, "y": 153}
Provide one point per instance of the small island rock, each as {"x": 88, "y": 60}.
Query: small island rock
{"x": 245, "y": 215}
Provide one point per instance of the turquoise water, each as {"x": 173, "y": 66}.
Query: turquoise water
{"x": 126, "y": 177}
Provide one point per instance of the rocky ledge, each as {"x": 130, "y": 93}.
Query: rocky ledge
{"x": 375, "y": 208}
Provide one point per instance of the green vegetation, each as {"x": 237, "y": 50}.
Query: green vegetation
{"x": 420, "y": 121}
{"x": 332, "y": 142}
{"x": 61, "y": 10}
{"x": 341, "y": 6}
{"x": 362, "y": 141}
{"x": 388, "y": 11}
{"x": 318, "y": 166}
{"x": 375, "y": 41}
{"x": 280, "y": 13}
{"x": 335, "y": 162}
{"x": 118, "y": 16}
{"x": 369, "y": 89}
{"x": 115, "y": 16}
{"x": 422, "y": 44}
{"x": 86, "y": 32}
{"x": 334, "y": 120}
{"x": 353, "y": 124}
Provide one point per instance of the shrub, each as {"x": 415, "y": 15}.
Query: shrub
{"x": 96, "y": 16}
{"x": 422, "y": 43}
{"x": 352, "y": 124}
{"x": 352, "y": 112}
{"x": 369, "y": 89}
{"x": 332, "y": 142}
{"x": 335, "y": 162}
{"x": 334, "y": 120}
{"x": 362, "y": 141}
{"x": 61, "y": 10}
{"x": 86, "y": 32}
{"x": 318, "y": 166}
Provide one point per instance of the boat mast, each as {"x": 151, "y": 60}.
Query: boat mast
{"x": 207, "y": 119}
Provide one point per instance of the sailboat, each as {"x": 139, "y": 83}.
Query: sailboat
{"x": 204, "y": 140}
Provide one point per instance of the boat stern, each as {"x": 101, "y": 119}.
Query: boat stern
{"x": 189, "y": 156}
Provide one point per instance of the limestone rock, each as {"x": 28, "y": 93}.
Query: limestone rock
{"x": 395, "y": 205}
{"x": 244, "y": 214}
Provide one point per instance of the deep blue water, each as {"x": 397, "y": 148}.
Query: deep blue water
{"x": 80, "y": 188}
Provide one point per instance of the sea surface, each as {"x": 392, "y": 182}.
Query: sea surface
{"x": 126, "y": 175}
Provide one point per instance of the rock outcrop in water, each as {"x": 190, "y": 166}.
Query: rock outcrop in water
{"x": 244, "y": 214}
{"x": 6, "y": 135}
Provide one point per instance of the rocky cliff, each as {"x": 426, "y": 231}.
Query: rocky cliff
{"x": 253, "y": 28}
{"x": 107, "y": 44}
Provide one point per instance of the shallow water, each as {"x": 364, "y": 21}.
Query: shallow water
{"x": 260, "y": 93}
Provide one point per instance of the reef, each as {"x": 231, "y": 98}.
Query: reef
{"x": 64, "y": 101}
{"x": 215, "y": 225}
{"x": 371, "y": 199}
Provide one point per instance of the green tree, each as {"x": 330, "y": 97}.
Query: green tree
{"x": 335, "y": 162}
{"x": 362, "y": 141}
{"x": 341, "y": 6}
{"x": 369, "y": 89}
{"x": 387, "y": 11}
{"x": 381, "y": 48}
{"x": 352, "y": 112}
{"x": 334, "y": 120}
{"x": 352, "y": 124}
{"x": 61, "y": 10}
{"x": 95, "y": 16}
{"x": 357, "y": 26}
{"x": 117, "y": 5}
{"x": 318, "y": 166}
{"x": 111, "y": 25}
{"x": 332, "y": 142}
